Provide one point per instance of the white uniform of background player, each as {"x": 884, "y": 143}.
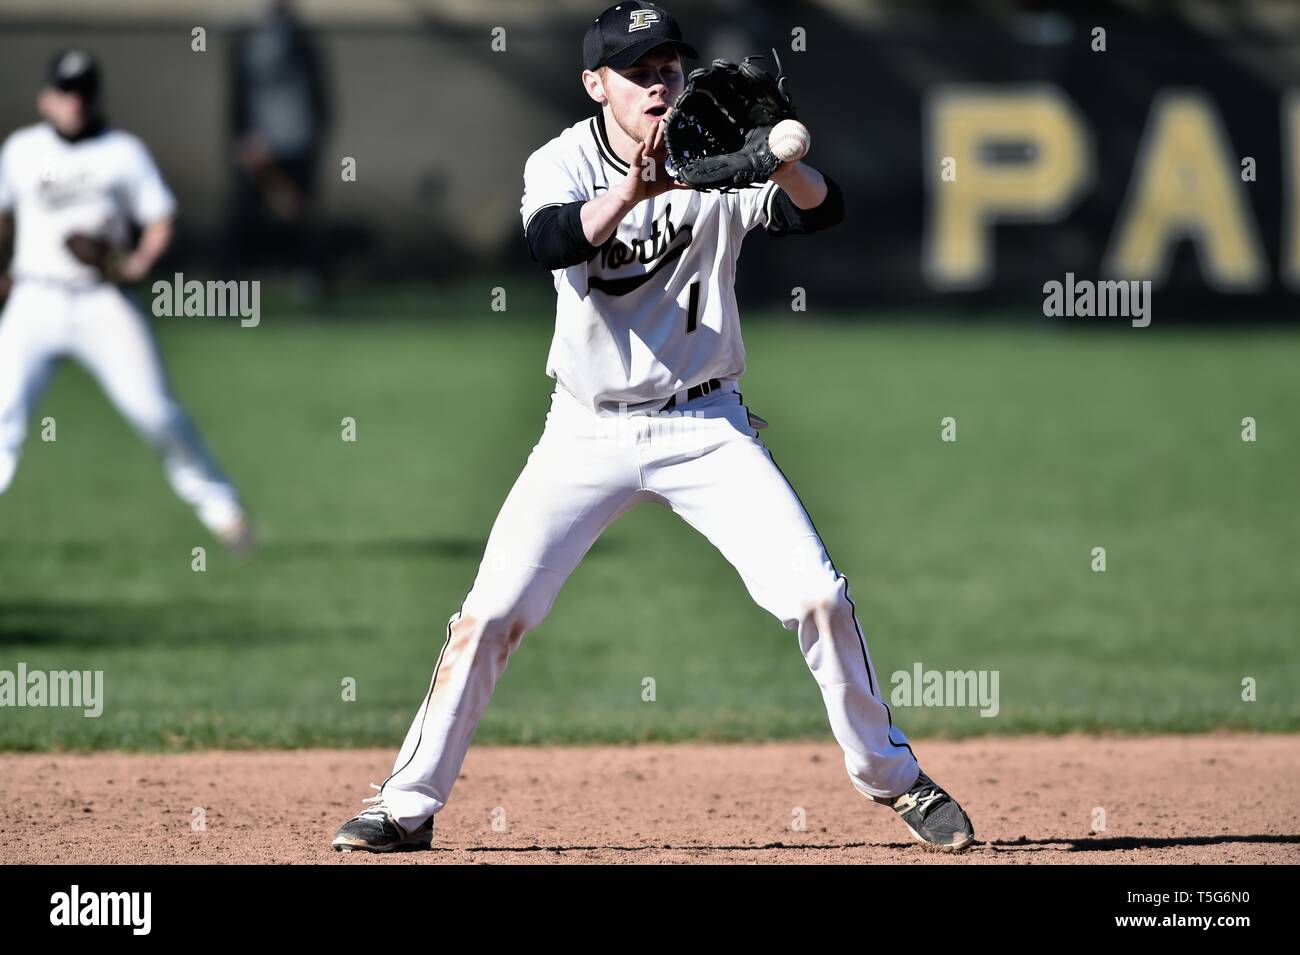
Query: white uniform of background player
{"x": 96, "y": 185}
{"x": 648, "y": 318}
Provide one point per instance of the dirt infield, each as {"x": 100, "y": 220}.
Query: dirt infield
{"x": 1218, "y": 798}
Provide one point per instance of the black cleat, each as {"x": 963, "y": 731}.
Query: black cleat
{"x": 933, "y": 816}
{"x": 373, "y": 830}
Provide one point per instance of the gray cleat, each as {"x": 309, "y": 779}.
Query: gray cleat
{"x": 373, "y": 830}
{"x": 933, "y": 816}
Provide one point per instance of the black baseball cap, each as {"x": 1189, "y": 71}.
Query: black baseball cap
{"x": 74, "y": 71}
{"x": 623, "y": 34}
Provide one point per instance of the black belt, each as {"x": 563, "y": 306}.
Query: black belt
{"x": 699, "y": 391}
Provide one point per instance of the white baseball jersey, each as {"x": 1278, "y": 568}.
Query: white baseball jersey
{"x": 96, "y": 186}
{"x": 654, "y": 311}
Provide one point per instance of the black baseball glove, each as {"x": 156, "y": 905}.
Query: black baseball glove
{"x": 717, "y": 132}
{"x": 91, "y": 251}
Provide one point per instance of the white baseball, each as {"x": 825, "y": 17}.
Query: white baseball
{"x": 789, "y": 140}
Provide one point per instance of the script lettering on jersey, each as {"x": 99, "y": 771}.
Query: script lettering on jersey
{"x": 614, "y": 254}
{"x": 58, "y": 189}
{"x": 658, "y": 248}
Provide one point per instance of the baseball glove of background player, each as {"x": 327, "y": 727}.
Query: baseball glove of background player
{"x": 717, "y": 133}
{"x": 92, "y": 251}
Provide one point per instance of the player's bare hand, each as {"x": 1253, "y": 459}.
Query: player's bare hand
{"x": 646, "y": 176}
{"x": 131, "y": 269}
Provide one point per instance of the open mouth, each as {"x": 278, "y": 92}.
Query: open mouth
{"x": 657, "y": 111}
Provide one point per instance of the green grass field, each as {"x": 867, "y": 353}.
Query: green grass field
{"x": 973, "y": 555}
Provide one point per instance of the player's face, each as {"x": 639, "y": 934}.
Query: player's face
{"x": 639, "y": 95}
{"x": 65, "y": 111}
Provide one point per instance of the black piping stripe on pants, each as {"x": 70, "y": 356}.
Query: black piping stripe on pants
{"x": 427, "y": 697}
{"x": 433, "y": 681}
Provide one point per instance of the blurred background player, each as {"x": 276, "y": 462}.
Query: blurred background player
{"x": 279, "y": 118}
{"x": 71, "y": 191}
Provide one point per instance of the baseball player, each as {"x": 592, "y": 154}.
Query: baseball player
{"x": 647, "y": 356}
{"x": 71, "y": 188}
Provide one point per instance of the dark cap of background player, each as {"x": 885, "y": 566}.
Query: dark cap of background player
{"x": 623, "y": 34}
{"x": 75, "y": 71}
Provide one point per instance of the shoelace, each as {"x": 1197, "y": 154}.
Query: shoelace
{"x": 923, "y": 801}
{"x": 378, "y": 809}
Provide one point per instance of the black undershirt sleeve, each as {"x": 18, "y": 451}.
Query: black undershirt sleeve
{"x": 556, "y": 239}
{"x": 555, "y": 236}
{"x": 785, "y": 218}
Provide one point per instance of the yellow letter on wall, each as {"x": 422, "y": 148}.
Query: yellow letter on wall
{"x": 1051, "y": 170}
{"x": 1186, "y": 184}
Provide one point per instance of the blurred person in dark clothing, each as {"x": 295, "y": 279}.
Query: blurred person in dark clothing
{"x": 279, "y": 119}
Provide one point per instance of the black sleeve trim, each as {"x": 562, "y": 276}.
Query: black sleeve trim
{"x": 555, "y": 236}
{"x": 785, "y": 218}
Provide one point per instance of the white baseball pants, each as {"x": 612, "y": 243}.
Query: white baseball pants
{"x": 705, "y": 462}
{"x": 100, "y": 328}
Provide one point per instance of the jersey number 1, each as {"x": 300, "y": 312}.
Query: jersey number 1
{"x": 693, "y": 308}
